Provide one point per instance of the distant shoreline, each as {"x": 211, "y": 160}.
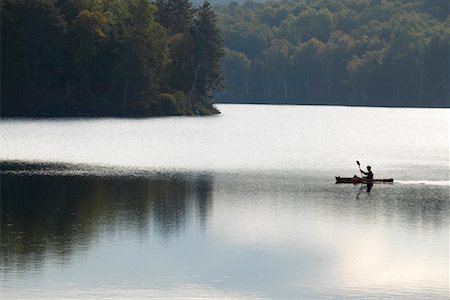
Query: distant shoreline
{"x": 136, "y": 116}
{"x": 293, "y": 102}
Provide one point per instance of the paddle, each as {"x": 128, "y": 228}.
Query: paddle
{"x": 359, "y": 166}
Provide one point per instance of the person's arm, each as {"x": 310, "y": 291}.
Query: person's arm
{"x": 365, "y": 173}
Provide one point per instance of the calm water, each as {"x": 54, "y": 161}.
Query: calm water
{"x": 237, "y": 206}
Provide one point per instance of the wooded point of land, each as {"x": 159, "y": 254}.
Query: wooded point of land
{"x": 115, "y": 58}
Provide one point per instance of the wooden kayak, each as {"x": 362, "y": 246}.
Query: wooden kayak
{"x": 355, "y": 180}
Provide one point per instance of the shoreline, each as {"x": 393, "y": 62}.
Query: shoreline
{"x": 106, "y": 116}
{"x": 331, "y": 104}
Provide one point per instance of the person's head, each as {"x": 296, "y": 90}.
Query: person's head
{"x": 369, "y": 167}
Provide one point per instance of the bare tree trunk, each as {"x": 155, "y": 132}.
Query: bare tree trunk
{"x": 364, "y": 91}
{"x": 194, "y": 83}
{"x": 70, "y": 89}
{"x": 247, "y": 92}
{"x": 285, "y": 89}
{"x": 264, "y": 88}
{"x": 307, "y": 86}
{"x": 420, "y": 98}
{"x": 447, "y": 87}
{"x": 329, "y": 86}
{"x": 67, "y": 89}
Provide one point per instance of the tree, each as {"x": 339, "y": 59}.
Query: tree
{"x": 88, "y": 32}
{"x": 361, "y": 70}
{"x": 276, "y": 69}
{"x": 208, "y": 51}
{"x": 411, "y": 36}
{"x": 175, "y": 15}
{"x": 181, "y": 52}
{"x": 96, "y": 57}
{"x": 308, "y": 24}
{"x": 32, "y": 52}
{"x": 143, "y": 57}
{"x": 396, "y": 46}
{"x": 236, "y": 68}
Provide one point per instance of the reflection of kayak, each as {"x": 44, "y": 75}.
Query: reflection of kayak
{"x": 355, "y": 180}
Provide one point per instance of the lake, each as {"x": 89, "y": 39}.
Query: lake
{"x": 242, "y": 205}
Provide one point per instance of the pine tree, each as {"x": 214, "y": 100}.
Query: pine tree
{"x": 208, "y": 51}
{"x": 175, "y": 15}
{"x": 32, "y": 42}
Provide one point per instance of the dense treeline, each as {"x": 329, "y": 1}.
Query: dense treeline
{"x": 369, "y": 52}
{"x": 108, "y": 57}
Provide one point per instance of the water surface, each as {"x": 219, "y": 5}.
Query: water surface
{"x": 240, "y": 206}
{"x": 244, "y": 138}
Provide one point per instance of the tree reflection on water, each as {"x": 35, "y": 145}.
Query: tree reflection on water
{"x": 42, "y": 215}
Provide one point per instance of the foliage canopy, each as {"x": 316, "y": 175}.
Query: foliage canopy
{"x": 115, "y": 57}
{"x": 369, "y": 52}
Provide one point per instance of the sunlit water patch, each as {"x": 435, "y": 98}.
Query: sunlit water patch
{"x": 244, "y": 138}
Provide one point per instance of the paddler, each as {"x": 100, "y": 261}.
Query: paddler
{"x": 369, "y": 174}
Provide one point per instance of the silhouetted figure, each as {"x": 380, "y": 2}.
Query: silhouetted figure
{"x": 369, "y": 177}
{"x": 369, "y": 174}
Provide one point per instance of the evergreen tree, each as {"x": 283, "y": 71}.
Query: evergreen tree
{"x": 32, "y": 49}
{"x": 208, "y": 51}
{"x": 175, "y": 15}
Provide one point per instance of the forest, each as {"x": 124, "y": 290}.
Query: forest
{"x": 355, "y": 52}
{"x": 173, "y": 57}
{"x": 109, "y": 58}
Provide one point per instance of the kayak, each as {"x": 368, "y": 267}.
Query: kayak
{"x": 355, "y": 180}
